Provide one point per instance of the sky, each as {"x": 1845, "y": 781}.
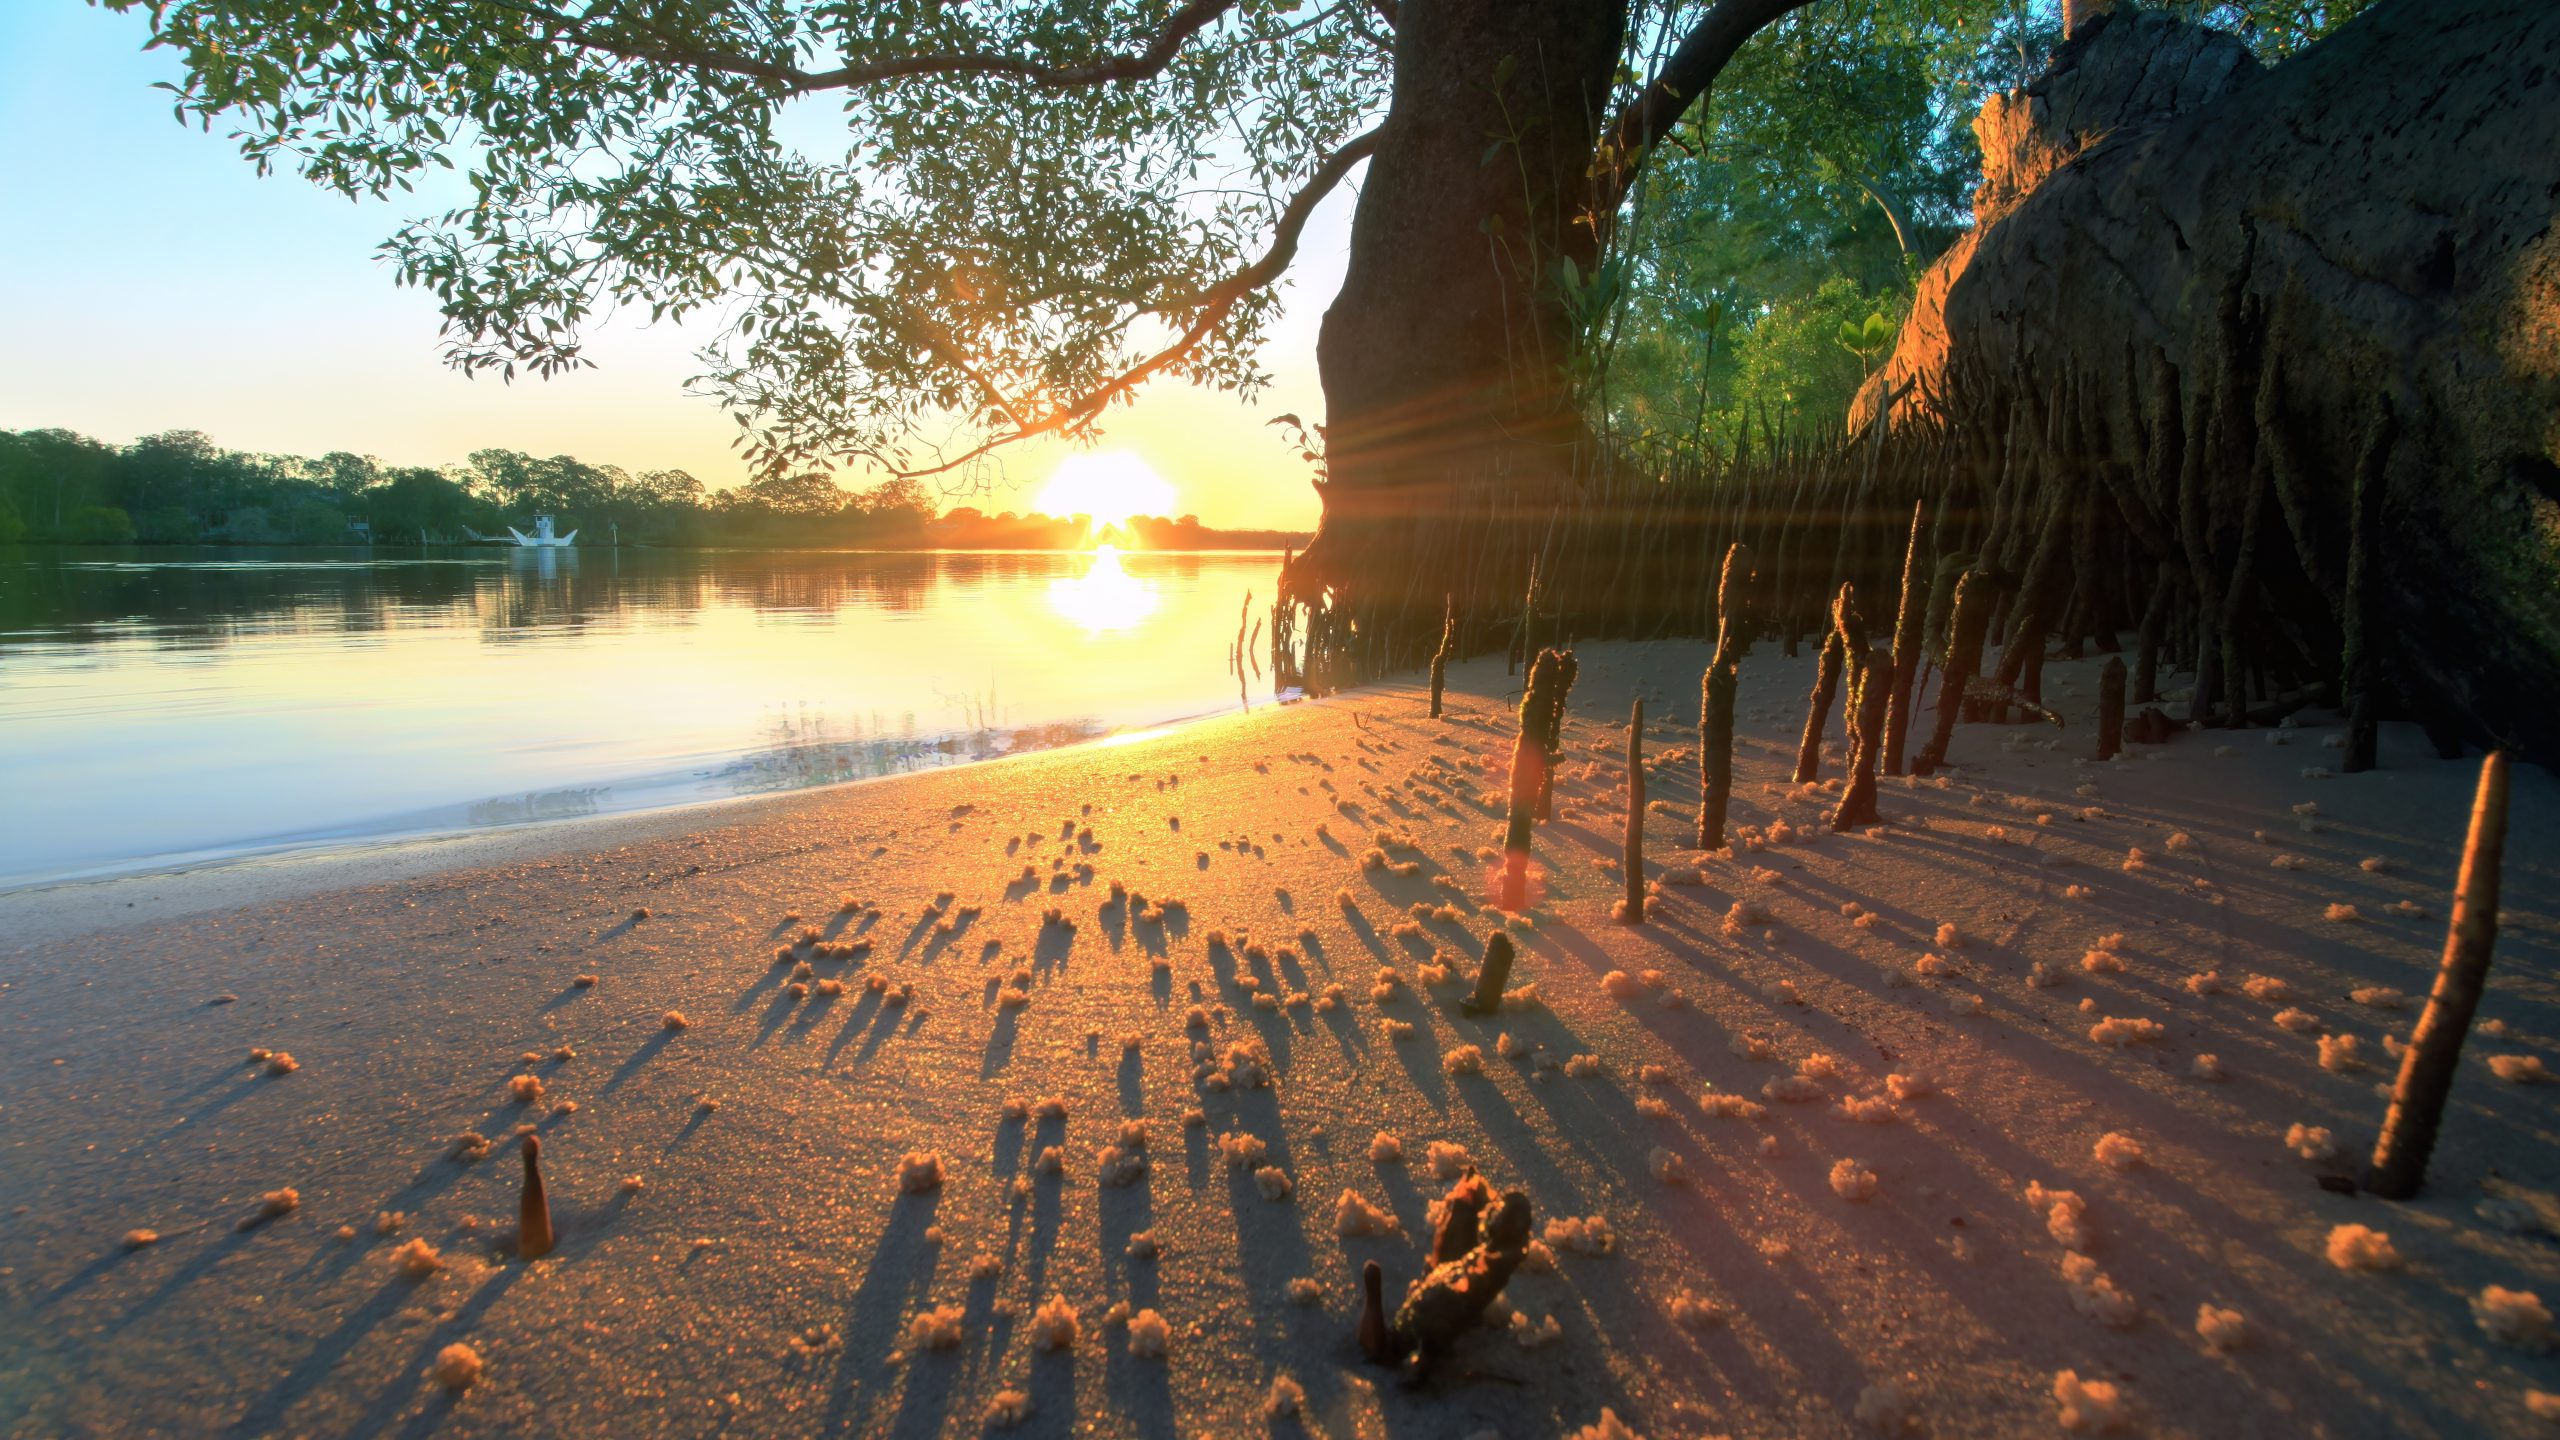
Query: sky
{"x": 150, "y": 280}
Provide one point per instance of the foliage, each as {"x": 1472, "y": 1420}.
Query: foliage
{"x": 181, "y": 488}
{"x": 1012, "y": 205}
{"x": 1794, "y": 359}
{"x": 2272, "y": 28}
{"x": 98, "y": 525}
{"x": 1836, "y": 160}
{"x": 920, "y": 227}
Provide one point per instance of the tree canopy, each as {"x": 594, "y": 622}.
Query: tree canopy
{"x": 916, "y": 228}
{"x": 180, "y": 487}
{"x": 1021, "y": 211}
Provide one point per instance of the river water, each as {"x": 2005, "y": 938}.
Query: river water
{"x": 163, "y": 706}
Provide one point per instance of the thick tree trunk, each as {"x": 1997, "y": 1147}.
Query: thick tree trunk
{"x": 1444, "y": 356}
{"x": 2198, "y": 281}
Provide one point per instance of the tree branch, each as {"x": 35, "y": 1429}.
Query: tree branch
{"x": 1213, "y": 305}
{"x": 1687, "y": 75}
{"x": 1187, "y": 20}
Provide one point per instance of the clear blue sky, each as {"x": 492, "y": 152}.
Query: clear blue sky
{"x": 150, "y": 280}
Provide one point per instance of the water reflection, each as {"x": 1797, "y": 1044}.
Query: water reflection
{"x": 1105, "y": 597}
{"x": 547, "y": 805}
{"x": 806, "y": 749}
{"x": 156, "y": 702}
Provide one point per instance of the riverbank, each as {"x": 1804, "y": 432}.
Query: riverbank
{"x": 767, "y": 1270}
{"x": 202, "y": 706}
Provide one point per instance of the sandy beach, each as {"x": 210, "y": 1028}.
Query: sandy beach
{"x": 1781, "y": 1139}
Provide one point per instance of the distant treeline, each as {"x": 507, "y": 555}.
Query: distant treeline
{"x": 179, "y": 488}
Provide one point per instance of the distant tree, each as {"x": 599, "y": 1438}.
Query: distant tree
{"x": 416, "y": 502}
{"x": 98, "y": 525}
{"x": 176, "y": 525}
{"x": 899, "y": 496}
{"x": 667, "y": 489}
{"x": 806, "y": 495}
{"x": 13, "y": 527}
{"x": 247, "y": 525}
{"x": 171, "y": 471}
{"x": 505, "y": 477}
{"x": 566, "y": 486}
{"x": 314, "y": 522}
{"x": 53, "y": 472}
{"x": 347, "y": 474}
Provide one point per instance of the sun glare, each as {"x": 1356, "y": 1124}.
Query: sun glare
{"x": 1108, "y": 487}
{"x": 1106, "y": 597}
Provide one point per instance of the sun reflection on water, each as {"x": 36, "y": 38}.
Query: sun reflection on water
{"x": 1105, "y": 597}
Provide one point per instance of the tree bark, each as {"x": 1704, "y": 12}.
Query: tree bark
{"x": 1444, "y": 356}
{"x": 2233, "y": 267}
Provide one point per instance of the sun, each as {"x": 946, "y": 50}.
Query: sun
{"x": 1108, "y": 487}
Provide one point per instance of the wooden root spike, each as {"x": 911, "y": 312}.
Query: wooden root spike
{"x": 1974, "y": 599}
{"x": 1495, "y": 976}
{"x": 2435, "y": 1048}
{"x": 2111, "y": 708}
{"x": 1632, "y": 910}
{"x": 533, "y": 1225}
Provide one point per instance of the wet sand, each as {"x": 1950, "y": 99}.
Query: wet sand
{"x": 765, "y": 1273}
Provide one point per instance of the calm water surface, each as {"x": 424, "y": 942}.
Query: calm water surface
{"x": 167, "y": 705}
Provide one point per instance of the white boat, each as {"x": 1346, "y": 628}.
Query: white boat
{"x": 541, "y": 538}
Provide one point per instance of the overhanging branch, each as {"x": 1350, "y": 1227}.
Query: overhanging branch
{"x": 1702, "y": 55}
{"x": 1210, "y": 307}
{"x": 649, "y": 47}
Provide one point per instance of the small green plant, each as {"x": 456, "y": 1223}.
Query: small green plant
{"x": 1868, "y": 340}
